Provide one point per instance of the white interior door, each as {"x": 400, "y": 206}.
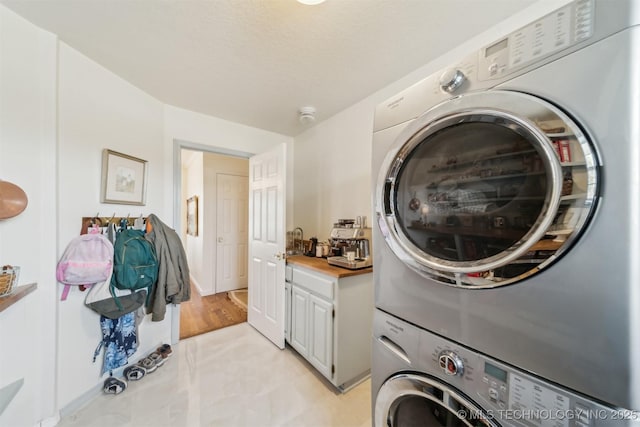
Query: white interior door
{"x": 232, "y": 229}
{"x": 267, "y": 173}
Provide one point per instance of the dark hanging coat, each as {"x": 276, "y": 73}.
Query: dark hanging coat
{"x": 173, "y": 285}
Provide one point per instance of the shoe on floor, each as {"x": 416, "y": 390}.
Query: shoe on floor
{"x": 134, "y": 372}
{"x": 148, "y": 364}
{"x": 165, "y": 351}
{"x": 157, "y": 358}
{"x": 113, "y": 385}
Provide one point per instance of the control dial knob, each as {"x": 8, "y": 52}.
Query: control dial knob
{"x": 451, "y": 80}
{"x": 450, "y": 363}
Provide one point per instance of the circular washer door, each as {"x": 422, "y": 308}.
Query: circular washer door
{"x": 416, "y": 400}
{"x": 486, "y": 189}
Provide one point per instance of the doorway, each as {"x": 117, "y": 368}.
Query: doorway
{"x": 202, "y": 314}
{"x": 218, "y": 181}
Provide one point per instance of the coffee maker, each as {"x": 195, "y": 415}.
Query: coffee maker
{"x": 350, "y": 245}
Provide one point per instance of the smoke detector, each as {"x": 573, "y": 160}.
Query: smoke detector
{"x": 307, "y": 115}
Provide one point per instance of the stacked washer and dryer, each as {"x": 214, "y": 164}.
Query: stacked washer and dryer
{"x": 507, "y": 240}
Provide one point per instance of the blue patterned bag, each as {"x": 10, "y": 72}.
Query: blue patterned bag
{"x": 119, "y": 339}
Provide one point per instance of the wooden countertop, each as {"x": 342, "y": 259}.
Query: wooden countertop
{"x": 322, "y": 266}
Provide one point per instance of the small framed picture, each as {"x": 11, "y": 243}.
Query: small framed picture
{"x": 124, "y": 179}
{"x": 192, "y": 216}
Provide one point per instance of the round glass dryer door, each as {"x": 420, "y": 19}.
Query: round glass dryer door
{"x": 486, "y": 189}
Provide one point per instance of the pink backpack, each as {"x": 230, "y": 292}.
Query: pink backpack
{"x": 88, "y": 259}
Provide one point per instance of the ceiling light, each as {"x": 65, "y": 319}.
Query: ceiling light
{"x": 306, "y": 115}
{"x": 310, "y": 2}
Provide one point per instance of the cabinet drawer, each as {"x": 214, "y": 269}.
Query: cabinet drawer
{"x": 397, "y": 335}
{"x": 315, "y": 283}
{"x": 288, "y": 273}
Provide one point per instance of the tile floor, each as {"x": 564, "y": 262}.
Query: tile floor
{"x": 231, "y": 377}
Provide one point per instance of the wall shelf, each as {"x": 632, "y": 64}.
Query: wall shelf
{"x": 17, "y": 294}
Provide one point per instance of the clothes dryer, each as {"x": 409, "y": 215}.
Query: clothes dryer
{"x": 507, "y": 203}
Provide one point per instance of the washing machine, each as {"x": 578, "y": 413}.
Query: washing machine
{"x": 427, "y": 380}
{"x": 506, "y": 202}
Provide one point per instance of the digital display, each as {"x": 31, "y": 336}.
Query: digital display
{"x": 496, "y": 47}
{"x": 495, "y": 372}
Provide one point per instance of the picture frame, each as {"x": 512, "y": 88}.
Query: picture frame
{"x": 124, "y": 179}
{"x": 192, "y": 216}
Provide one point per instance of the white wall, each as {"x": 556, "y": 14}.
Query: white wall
{"x": 332, "y": 171}
{"x": 194, "y": 245}
{"x": 332, "y": 160}
{"x": 98, "y": 110}
{"x": 181, "y": 124}
{"x": 27, "y": 158}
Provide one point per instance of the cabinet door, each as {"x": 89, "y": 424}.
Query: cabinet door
{"x": 321, "y": 335}
{"x": 287, "y": 312}
{"x": 299, "y": 320}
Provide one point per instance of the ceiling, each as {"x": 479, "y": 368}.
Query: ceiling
{"x": 256, "y": 62}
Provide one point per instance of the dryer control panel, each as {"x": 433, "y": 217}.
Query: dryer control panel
{"x": 552, "y": 33}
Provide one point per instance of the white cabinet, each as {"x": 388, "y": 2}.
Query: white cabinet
{"x": 300, "y": 320}
{"x": 331, "y": 323}
{"x": 287, "y": 313}
{"x": 321, "y": 335}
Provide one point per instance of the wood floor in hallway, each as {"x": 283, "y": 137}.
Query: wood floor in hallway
{"x": 208, "y": 313}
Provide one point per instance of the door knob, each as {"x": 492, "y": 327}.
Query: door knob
{"x": 220, "y": 239}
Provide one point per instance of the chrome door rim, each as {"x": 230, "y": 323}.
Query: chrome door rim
{"x": 459, "y": 110}
{"x": 399, "y": 386}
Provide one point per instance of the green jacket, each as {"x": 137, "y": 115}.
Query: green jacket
{"x": 173, "y": 285}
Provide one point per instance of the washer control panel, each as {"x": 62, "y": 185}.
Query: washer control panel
{"x": 450, "y": 363}
{"x": 508, "y": 394}
{"x": 495, "y": 381}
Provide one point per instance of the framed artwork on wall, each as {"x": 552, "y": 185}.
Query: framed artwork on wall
{"x": 192, "y": 216}
{"x": 124, "y": 179}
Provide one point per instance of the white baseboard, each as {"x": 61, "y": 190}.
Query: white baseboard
{"x": 81, "y": 401}
{"x": 201, "y": 291}
{"x": 95, "y": 391}
{"x": 50, "y": 422}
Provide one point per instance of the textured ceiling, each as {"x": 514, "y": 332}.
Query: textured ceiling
{"x": 257, "y": 61}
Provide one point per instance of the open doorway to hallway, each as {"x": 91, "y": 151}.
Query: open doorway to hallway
{"x": 203, "y": 314}
{"x": 214, "y": 232}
